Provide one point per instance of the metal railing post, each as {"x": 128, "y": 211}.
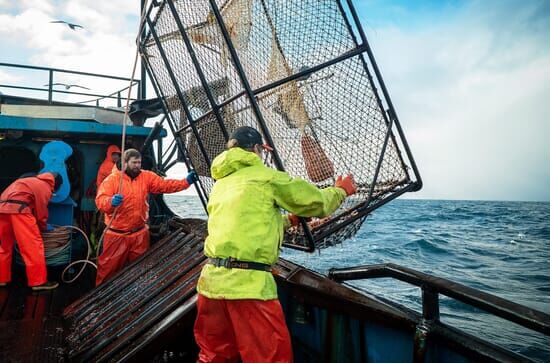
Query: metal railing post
{"x": 50, "y": 87}
{"x": 430, "y": 303}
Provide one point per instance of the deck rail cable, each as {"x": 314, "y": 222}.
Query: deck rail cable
{"x": 122, "y": 149}
{"x": 308, "y": 83}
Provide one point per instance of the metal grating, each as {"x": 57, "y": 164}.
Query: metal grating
{"x": 126, "y": 317}
{"x": 296, "y": 71}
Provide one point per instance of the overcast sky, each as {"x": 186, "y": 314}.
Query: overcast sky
{"x": 470, "y": 80}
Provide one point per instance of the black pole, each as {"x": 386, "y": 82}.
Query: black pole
{"x": 159, "y": 151}
{"x": 362, "y": 210}
{"x": 244, "y": 80}
{"x": 179, "y": 143}
{"x": 142, "y": 92}
{"x": 374, "y": 89}
{"x": 254, "y": 104}
{"x": 430, "y": 303}
{"x": 198, "y": 68}
{"x": 418, "y": 182}
{"x": 50, "y": 86}
{"x": 180, "y": 95}
{"x": 169, "y": 157}
{"x": 380, "y": 161}
{"x": 291, "y": 77}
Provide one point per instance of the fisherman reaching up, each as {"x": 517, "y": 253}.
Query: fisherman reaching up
{"x": 23, "y": 215}
{"x": 238, "y": 310}
{"x": 127, "y": 212}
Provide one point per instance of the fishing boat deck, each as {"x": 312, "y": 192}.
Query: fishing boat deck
{"x": 147, "y": 311}
{"x": 132, "y": 314}
{"x": 149, "y": 308}
{"x": 31, "y": 323}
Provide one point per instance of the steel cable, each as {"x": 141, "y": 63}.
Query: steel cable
{"x": 123, "y": 141}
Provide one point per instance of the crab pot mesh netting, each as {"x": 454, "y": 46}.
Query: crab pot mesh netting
{"x": 325, "y": 123}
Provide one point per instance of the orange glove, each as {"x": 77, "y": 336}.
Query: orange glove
{"x": 294, "y": 219}
{"x": 347, "y": 183}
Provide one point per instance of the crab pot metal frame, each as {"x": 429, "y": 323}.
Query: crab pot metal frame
{"x": 304, "y": 75}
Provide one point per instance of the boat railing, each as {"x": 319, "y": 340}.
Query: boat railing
{"x": 432, "y": 286}
{"x": 93, "y": 98}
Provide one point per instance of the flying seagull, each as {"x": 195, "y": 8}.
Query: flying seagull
{"x": 71, "y": 25}
{"x": 67, "y": 86}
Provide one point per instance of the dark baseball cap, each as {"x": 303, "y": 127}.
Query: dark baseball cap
{"x": 247, "y": 137}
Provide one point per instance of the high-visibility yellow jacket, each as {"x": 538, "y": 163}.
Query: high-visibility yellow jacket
{"x": 245, "y": 222}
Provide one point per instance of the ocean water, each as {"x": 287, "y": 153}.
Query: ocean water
{"x": 502, "y": 248}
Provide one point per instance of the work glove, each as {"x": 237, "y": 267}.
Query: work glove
{"x": 116, "y": 200}
{"x": 347, "y": 183}
{"x": 293, "y": 219}
{"x": 49, "y": 227}
{"x": 192, "y": 177}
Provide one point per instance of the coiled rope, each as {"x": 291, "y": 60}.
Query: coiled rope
{"x": 56, "y": 244}
{"x": 58, "y": 241}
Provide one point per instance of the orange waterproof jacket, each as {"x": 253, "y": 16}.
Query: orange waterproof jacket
{"x": 107, "y": 165}
{"x": 134, "y": 210}
{"x": 35, "y": 192}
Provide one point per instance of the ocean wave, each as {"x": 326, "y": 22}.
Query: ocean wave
{"x": 428, "y": 246}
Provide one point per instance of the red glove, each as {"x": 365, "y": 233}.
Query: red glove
{"x": 347, "y": 183}
{"x": 294, "y": 219}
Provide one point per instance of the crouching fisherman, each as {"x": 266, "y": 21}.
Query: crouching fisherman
{"x": 238, "y": 310}
{"x": 126, "y": 214}
{"x": 23, "y": 215}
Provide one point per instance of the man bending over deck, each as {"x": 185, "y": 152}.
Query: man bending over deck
{"x": 127, "y": 212}
{"x": 23, "y": 214}
{"x": 239, "y": 314}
